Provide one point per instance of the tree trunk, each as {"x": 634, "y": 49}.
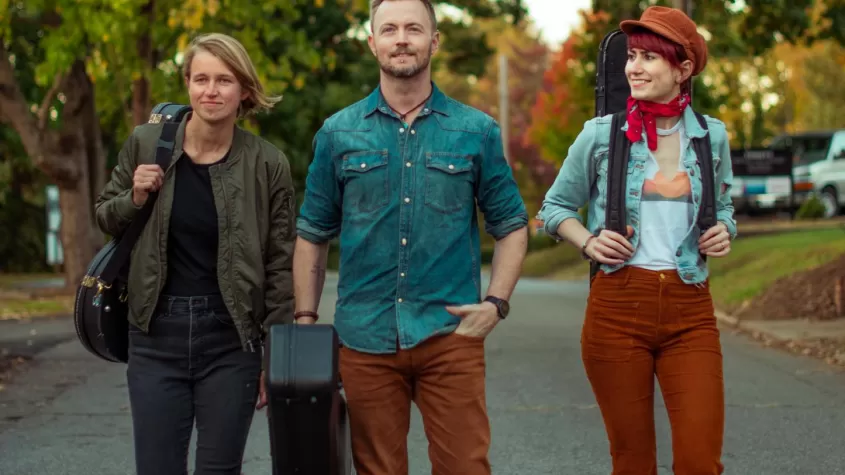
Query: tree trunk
{"x": 63, "y": 153}
{"x": 95, "y": 158}
{"x": 141, "y": 86}
{"x": 75, "y": 206}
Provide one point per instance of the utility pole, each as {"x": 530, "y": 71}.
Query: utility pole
{"x": 504, "y": 101}
{"x": 684, "y": 6}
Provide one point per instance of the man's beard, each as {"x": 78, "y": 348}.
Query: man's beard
{"x": 406, "y": 72}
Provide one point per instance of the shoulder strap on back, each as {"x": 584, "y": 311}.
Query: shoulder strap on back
{"x": 164, "y": 153}
{"x": 617, "y": 167}
{"x": 704, "y": 154}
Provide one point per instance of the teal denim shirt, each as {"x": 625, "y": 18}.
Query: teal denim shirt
{"x": 583, "y": 179}
{"x": 403, "y": 202}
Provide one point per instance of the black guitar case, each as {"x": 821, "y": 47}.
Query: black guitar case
{"x": 611, "y": 96}
{"x": 100, "y": 311}
{"x": 309, "y": 431}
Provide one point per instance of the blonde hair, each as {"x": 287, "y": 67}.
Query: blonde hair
{"x": 234, "y": 56}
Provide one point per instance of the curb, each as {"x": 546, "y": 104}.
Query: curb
{"x": 730, "y": 320}
{"x": 833, "y": 356}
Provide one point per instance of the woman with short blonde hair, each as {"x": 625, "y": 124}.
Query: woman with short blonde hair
{"x": 234, "y": 56}
{"x": 210, "y": 272}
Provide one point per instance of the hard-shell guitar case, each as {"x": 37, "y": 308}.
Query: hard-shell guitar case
{"x": 309, "y": 432}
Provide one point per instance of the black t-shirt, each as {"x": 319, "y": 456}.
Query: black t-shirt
{"x": 194, "y": 235}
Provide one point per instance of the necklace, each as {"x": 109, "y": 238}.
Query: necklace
{"x": 401, "y": 115}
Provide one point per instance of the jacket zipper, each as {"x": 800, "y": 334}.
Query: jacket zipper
{"x": 231, "y": 260}
{"x": 162, "y": 241}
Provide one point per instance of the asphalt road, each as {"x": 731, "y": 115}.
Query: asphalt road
{"x": 68, "y": 414}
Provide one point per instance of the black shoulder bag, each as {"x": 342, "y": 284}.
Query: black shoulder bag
{"x": 100, "y": 311}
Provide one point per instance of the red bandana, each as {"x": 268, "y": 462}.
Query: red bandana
{"x": 643, "y": 113}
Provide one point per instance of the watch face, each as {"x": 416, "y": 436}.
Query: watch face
{"x": 505, "y": 307}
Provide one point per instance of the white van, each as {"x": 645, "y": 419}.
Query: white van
{"x": 818, "y": 166}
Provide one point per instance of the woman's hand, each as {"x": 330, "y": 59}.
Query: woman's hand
{"x": 716, "y": 242}
{"x": 147, "y": 179}
{"x": 610, "y": 247}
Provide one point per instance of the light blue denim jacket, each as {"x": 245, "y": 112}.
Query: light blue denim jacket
{"x": 583, "y": 179}
{"x": 404, "y": 202}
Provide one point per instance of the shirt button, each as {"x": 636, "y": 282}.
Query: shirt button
{"x": 451, "y": 167}
{"x": 404, "y": 241}
{"x": 402, "y": 275}
{"x": 425, "y": 110}
{"x": 407, "y": 200}
{"x": 408, "y": 164}
{"x": 413, "y": 132}
{"x": 400, "y": 299}
{"x": 401, "y": 129}
{"x": 363, "y": 165}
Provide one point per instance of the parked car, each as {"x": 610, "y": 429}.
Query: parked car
{"x": 818, "y": 169}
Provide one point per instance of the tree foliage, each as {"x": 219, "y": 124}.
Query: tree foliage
{"x": 527, "y": 59}
{"x": 76, "y": 77}
{"x": 738, "y": 84}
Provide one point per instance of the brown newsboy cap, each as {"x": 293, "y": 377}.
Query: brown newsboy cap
{"x": 675, "y": 26}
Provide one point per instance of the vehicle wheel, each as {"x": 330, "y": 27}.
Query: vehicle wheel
{"x": 831, "y": 204}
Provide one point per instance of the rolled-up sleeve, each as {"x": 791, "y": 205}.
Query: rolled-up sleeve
{"x": 571, "y": 189}
{"x": 724, "y": 183}
{"x": 498, "y": 193}
{"x": 320, "y": 216}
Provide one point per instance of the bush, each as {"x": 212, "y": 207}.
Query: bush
{"x": 812, "y": 208}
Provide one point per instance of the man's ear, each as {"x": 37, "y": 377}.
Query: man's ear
{"x": 435, "y": 42}
{"x": 371, "y": 42}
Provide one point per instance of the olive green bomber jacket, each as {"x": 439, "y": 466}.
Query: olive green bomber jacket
{"x": 253, "y": 192}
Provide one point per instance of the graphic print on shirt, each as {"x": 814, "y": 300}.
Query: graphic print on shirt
{"x": 666, "y": 212}
{"x": 675, "y": 190}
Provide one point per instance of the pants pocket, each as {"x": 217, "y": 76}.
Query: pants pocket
{"x": 608, "y": 329}
{"x": 223, "y": 317}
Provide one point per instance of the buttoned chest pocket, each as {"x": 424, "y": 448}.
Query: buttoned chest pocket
{"x": 448, "y": 182}
{"x": 633, "y": 178}
{"x": 366, "y": 181}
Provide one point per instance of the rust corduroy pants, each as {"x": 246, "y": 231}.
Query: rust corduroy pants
{"x": 641, "y": 323}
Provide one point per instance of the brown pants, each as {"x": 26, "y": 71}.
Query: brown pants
{"x": 445, "y": 378}
{"x": 640, "y": 323}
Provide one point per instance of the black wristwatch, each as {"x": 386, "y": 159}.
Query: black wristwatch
{"x": 502, "y": 306}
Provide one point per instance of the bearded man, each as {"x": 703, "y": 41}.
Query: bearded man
{"x": 399, "y": 177}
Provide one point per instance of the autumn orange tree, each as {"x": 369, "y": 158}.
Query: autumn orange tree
{"x": 566, "y": 100}
{"x": 739, "y": 78}
{"x": 527, "y": 58}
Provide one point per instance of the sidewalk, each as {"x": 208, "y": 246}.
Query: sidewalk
{"x": 820, "y": 339}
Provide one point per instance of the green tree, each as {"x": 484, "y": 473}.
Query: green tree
{"x": 128, "y": 50}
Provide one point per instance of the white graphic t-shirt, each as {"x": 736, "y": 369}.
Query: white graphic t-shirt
{"x": 666, "y": 211}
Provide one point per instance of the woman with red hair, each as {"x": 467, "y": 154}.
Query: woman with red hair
{"x": 650, "y": 311}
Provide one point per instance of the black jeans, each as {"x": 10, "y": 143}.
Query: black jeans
{"x": 190, "y": 366}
